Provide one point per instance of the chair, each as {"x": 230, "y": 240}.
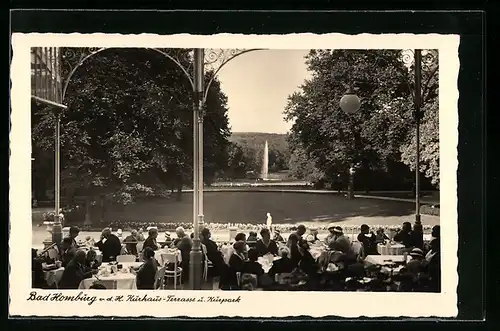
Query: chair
{"x": 140, "y": 246}
{"x": 53, "y": 254}
{"x": 177, "y": 272}
{"x": 160, "y": 278}
{"x": 125, "y": 258}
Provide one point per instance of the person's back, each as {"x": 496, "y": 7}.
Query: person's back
{"x": 73, "y": 274}
{"x": 145, "y": 279}
{"x": 111, "y": 248}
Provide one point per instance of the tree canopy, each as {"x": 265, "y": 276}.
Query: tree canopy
{"x": 128, "y": 127}
{"x": 330, "y": 141}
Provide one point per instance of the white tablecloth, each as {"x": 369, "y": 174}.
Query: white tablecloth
{"x": 394, "y": 249}
{"x": 123, "y": 281}
{"x": 158, "y": 256}
{"x": 267, "y": 262}
{"x": 383, "y": 259}
{"x": 53, "y": 276}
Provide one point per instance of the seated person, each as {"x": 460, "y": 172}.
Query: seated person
{"x": 266, "y": 245}
{"x": 277, "y": 237}
{"x": 109, "y": 245}
{"x": 75, "y": 271}
{"x": 37, "y": 275}
{"x": 251, "y": 266}
{"x": 368, "y": 240}
{"x": 151, "y": 240}
{"x": 252, "y": 239}
{"x": 146, "y": 275}
{"x": 131, "y": 243}
{"x": 91, "y": 260}
{"x": 380, "y": 237}
{"x": 405, "y": 236}
{"x": 283, "y": 265}
{"x": 248, "y": 282}
{"x": 68, "y": 251}
{"x": 293, "y": 246}
{"x": 236, "y": 263}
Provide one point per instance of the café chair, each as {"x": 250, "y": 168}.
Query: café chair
{"x": 160, "y": 279}
{"x": 176, "y": 274}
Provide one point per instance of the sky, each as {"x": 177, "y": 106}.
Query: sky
{"x": 257, "y": 85}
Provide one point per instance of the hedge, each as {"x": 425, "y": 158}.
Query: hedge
{"x": 429, "y": 210}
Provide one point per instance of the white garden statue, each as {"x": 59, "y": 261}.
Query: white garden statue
{"x": 269, "y": 221}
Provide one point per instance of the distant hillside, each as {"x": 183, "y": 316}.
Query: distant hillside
{"x": 276, "y": 141}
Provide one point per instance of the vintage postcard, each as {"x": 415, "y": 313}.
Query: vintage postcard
{"x": 234, "y": 175}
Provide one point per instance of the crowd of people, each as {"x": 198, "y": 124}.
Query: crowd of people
{"x": 341, "y": 267}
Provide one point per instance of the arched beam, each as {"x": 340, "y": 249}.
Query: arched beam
{"x": 209, "y": 83}
{"x": 95, "y": 52}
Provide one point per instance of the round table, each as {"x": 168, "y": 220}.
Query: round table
{"x": 159, "y": 258}
{"x": 393, "y": 249}
{"x": 121, "y": 280}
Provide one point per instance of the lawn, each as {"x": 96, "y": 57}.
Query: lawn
{"x": 252, "y": 206}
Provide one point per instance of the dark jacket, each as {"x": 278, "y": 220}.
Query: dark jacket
{"x": 37, "y": 275}
{"x": 405, "y": 238}
{"x": 236, "y": 264}
{"x": 262, "y": 249}
{"x": 110, "y": 249}
{"x": 369, "y": 243}
{"x": 73, "y": 274}
{"x": 252, "y": 267}
{"x": 67, "y": 256}
{"x": 131, "y": 245}
{"x": 213, "y": 253}
{"x": 151, "y": 243}
{"x": 282, "y": 266}
{"x": 146, "y": 275}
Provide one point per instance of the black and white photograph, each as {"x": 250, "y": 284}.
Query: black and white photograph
{"x": 310, "y": 167}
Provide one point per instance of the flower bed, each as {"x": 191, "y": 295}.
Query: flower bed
{"x": 286, "y": 228}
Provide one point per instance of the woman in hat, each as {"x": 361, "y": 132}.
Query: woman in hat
{"x": 331, "y": 236}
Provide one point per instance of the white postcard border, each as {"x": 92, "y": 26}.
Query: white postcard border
{"x": 250, "y": 304}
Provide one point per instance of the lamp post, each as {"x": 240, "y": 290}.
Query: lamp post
{"x": 350, "y": 104}
{"x": 195, "y": 256}
{"x": 418, "y": 73}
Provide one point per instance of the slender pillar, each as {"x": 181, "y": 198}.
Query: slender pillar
{"x": 195, "y": 258}
{"x": 418, "y": 73}
{"x": 57, "y": 227}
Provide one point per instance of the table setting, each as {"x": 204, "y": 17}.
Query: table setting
{"x": 160, "y": 252}
{"x": 390, "y": 248}
{"x": 52, "y": 272}
{"x": 114, "y": 275}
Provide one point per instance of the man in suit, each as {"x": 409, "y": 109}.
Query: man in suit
{"x": 75, "y": 271}
{"x": 214, "y": 255}
{"x": 109, "y": 245}
{"x": 405, "y": 236}
{"x": 74, "y": 231}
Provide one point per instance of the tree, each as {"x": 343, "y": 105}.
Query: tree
{"x": 429, "y": 145}
{"x": 337, "y": 141}
{"x": 128, "y": 127}
{"x": 429, "y": 127}
{"x": 367, "y": 140}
